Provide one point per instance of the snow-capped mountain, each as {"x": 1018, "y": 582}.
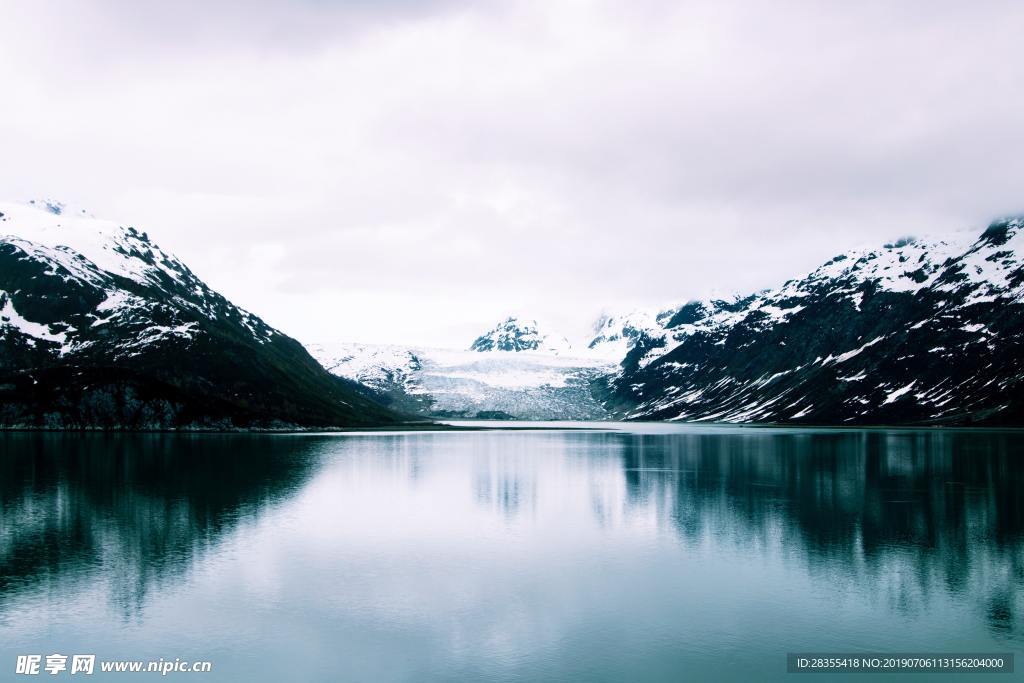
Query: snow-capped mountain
{"x": 615, "y": 335}
{"x": 527, "y": 385}
{"x": 393, "y": 372}
{"x": 100, "y": 327}
{"x": 917, "y": 331}
{"x": 515, "y": 334}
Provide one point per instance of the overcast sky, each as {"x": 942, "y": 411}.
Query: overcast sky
{"x": 410, "y": 171}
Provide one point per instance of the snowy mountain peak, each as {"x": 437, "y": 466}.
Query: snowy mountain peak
{"x": 76, "y": 240}
{"x": 615, "y": 334}
{"x": 917, "y": 329}
{"x": 99, "y": 327}
{"x": 979, "y": 268}
{"x": 120, "y": 276}
{"x": 515, "y": 334}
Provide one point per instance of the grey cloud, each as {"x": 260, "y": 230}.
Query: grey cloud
{"x": 551, "y": 158}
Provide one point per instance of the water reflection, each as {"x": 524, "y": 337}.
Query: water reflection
{"x": 137, "y": 509}
{"x": 903, "y": 513}
{"x": 635, "y": 555}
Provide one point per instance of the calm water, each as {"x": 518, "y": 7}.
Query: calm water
{"x": 659, "y": 554}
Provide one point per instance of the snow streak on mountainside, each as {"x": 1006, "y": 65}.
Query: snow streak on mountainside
{"x": 99, "y": 327}
{"x": 917, "y": 331}
{"x": 450, "y": 383}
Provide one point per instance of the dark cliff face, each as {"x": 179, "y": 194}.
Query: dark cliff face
{"x": 911, "y": 333}
{"x": 141, "y": 342}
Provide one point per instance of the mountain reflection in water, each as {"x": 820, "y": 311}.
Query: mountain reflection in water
{"x": 137, "y": 508}
{"x": 906, "y": 512}
{"x": 577, "y": 554}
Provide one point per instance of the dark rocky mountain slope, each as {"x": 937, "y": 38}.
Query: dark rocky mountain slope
{"x": 916, "y": 332}
{"x": 100, "y": 328}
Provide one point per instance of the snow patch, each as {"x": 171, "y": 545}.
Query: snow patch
{"x": 895, "y": 395}
{"x": 9, "y": 317}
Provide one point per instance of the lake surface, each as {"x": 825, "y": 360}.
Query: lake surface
{"x": 655, "y": 552}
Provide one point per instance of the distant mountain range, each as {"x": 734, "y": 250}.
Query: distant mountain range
{"x": 512, "y": 371}
{"x": 914, "y": 332}
{"x": 100, "y": 328}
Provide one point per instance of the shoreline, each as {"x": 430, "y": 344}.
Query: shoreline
{"x": 512, "y": 425}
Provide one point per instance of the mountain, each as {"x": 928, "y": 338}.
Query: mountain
{"x": 101, "y": 328}
{"x": 916, "y": 332}
{"x": 615, "y": 335}
{"x": 513, "y": 334}
{"x": 394, "y": 373}
{"x": 512, "y": 372}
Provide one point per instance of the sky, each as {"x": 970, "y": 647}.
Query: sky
{"x": 413, "y": 171}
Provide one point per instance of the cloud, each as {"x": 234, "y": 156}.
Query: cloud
{"x": 410, "y": 171}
